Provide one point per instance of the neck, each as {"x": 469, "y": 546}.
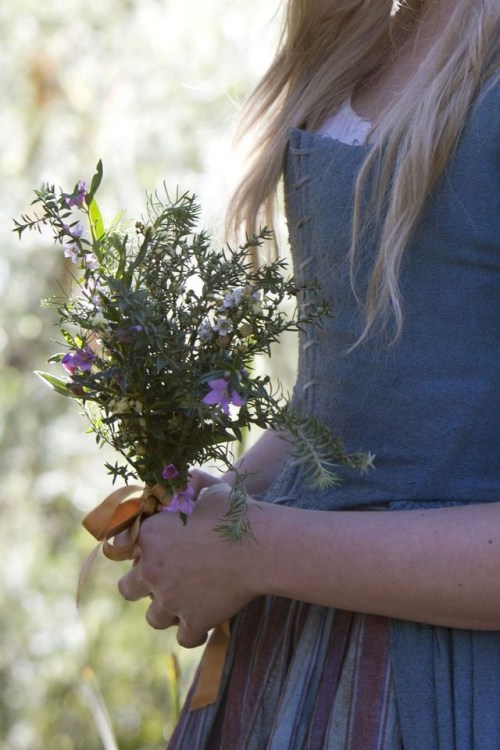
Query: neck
{"x": 421, "y": 22}
{"x": 418, "y": 24}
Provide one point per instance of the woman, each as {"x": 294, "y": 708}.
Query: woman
{"x": 366, "y": 629}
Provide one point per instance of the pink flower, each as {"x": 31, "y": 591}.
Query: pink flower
{"x": 76, "y": 198}
{"x": 75, "y": 230}
{"x": 80, "y": 359}
{"x": 169, "y": 472}
{"x": 182, "y": 501}
{"x": 222, "y": 395}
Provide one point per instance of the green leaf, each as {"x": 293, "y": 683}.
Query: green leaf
{"x": 96, "y": 221}
{"x": 94, "y": 185}
{"x": 57, "y": 384}
{"x": 234, "y": 526}
{"x": 142, "y": 251}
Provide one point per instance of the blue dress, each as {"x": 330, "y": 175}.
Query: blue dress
{"x": 429, "y": 408}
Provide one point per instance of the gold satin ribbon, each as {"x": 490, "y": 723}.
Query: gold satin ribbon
{"x": 211, "y": 668}
{"x": 118, "y": 513}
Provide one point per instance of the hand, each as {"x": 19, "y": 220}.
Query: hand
{"x": 201, "y": 480}
{"x": 195, "y": 579}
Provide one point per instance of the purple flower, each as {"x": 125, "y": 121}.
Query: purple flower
{"x": 169, "y": 471}
{"x": 71, "y": 252}
{"x": 91, "y": 262}
{"x": 76, "y": 198}
{"x": 75, "y": 231}
{"x": 125, "y": 335}
{"x": 220, "y": 394}
{"x": 182, "y": 501}
{"x": 232, "y": 299}
{"x": 79, "y": 359}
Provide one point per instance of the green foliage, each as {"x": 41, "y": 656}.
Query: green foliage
{"x": 319, "y": 452}
{"x": 69, "y": 79}
{"x": 166, "y": 328}
{"x": 234, "y": 525}
{"x": 152, "y": 87}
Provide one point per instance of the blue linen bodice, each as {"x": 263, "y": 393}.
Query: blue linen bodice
{"x": 429, "y": 406}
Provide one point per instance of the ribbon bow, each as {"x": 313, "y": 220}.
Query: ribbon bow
{"x": 118, "y": 513}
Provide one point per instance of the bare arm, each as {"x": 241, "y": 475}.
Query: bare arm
{"x": 440, "y": 566}
{"x": 263, "y": 461}
{"x": 437, "y": 566}
{"x": 261, "y": 464}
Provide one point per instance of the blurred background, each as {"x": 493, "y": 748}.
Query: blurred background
{"x": 151, "y": 87}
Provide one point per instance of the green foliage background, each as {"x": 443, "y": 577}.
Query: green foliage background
{"x": 151, "y": 87}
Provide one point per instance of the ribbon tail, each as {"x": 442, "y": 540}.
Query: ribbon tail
{"x": 112, "y": 512}
{"x": 85, "y": 571}
{"x": 129, "y": 549}
{"x": 211, "y": 668}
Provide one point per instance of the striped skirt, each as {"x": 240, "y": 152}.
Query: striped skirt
{"x": 299, "y": 677}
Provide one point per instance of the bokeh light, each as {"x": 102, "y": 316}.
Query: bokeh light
{"x": 151, "y": 87}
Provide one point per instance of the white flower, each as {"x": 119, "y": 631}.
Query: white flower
{"x": 223, "y": 326}
{"x": 205, "y": 331}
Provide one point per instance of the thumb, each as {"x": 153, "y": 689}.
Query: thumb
{"x": 199, "y": 480}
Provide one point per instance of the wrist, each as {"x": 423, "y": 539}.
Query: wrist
{"x": 262, "y": 553}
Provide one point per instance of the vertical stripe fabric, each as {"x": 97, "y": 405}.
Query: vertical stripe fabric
{"x": 299, "y": 677}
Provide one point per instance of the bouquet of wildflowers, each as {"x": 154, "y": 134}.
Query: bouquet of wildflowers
{"x": 160, "y": 332}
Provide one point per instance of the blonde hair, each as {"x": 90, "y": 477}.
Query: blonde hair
{"x": 330, "y": 48}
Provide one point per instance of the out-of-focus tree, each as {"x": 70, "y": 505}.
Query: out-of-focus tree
{"x": 151, "y": 87}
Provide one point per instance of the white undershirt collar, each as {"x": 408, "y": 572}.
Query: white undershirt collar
{"x": 346, "y": 126}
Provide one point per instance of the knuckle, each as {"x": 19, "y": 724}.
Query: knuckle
{"x": 124, "y": 589}
{"x": 153, "y": 618}
{"x": 196, "y": 640}
{"x": 184, "y": 640}
{"x": 152, "y": 623}
{"x": 189, "y": 637}
{"x": 160, "y": 616}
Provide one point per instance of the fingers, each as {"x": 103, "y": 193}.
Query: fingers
{"x": 132, "y": 585}
{"x": 160, "y": 618}
{"x": 190, "y": 637}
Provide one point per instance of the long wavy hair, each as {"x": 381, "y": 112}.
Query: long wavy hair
{"x": 328, "y": 50}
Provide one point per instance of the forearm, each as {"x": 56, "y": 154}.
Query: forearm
{"x": 262, "y": 462}
{"x": 438, "y": 566}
